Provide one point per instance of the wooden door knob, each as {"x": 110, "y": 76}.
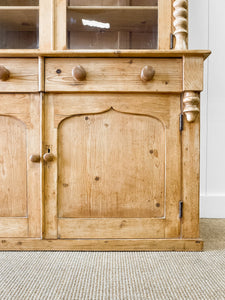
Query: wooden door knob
{"x": 147, "y": 73}
{"x": 48, "y": 157}
{"x": 4, "y": 73}
{"x": 79, "y": 73}
{"x": 35, "y": 158}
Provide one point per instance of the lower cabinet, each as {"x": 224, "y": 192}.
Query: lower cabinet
{"x": 113, "y": 167}
{"x": 20, "y": 197}
{"x": 95, "y": 171}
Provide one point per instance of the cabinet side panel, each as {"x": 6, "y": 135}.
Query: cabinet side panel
{"x": 190, "y": 151}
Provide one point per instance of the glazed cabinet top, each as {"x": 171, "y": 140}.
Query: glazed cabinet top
{"x": 93, "y": 24}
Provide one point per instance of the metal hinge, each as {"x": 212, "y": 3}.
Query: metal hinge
{"x": 181, "y": 122}
{"x": 180, "y": 209}
{"x": 171, "y": 41}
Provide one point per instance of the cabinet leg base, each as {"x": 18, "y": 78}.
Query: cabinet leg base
{"x": 12, "y": 244}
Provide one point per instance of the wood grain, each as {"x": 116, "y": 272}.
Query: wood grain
{"x": 60, "y": 24}
{"x": 20, "y": 178}
{"x": 102, "y": 245}
{"x": 193, "y": 73}
{"x": 191, "y": 176}
{"x": 45, "y": 27}
{"x": 111, "y": 164}
{"x": 13, "y": 227}
{"x": 110, "y": 228}
{"x": 23, "y": 75}
{"x": 13, "y": 197}
{"x": 143, "y": 53}
{"x": 113, "y": 75}
{"x": 164, "y": 24}
{"x": 165, "y": 108}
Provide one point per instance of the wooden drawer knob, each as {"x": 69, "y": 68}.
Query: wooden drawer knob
{"x": 79, "y": 73}
{"x": 147, "y": 73}
{"x": 48, "y": 157}
{"x": 4, "y": 73}
{"x": 35, "y": 158}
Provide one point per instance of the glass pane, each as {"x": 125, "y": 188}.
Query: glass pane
{"x": 112, "y": 2}
{"x": 112, "y": 28}
{"x": 19, "y": 2}
{"x": 19, "y": 28}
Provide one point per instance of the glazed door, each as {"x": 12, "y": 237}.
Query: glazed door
{"x": 20, "y": 209}
{"x": 112, "y": 166}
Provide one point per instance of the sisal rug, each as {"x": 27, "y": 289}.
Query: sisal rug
{"x": 118, "y": 275}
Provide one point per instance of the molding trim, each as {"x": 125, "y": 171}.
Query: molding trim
{"x": 212, "y": 206}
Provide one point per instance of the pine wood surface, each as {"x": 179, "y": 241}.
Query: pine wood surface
{"x": 102, "y": 245}
{"x": 117, "y": 130}
{"x": 104, "y": 53}
{"x": 113, "y": 75}
{"x": 70, "y": 184}
{"x": 23, "y": 75}
{"x": 19, "y": 177}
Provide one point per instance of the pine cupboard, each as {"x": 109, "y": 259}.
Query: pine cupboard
{"x": 99, "y": 126}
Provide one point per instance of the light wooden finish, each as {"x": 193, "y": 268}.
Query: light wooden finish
{"x": 110, "y": 228}
{"x": 41, "y": 73}
{"x": 191, "y": 103}
{"x": 23, "y": 75}
{"x": 102, "y": 245}
{"x": 193, "y": 73}
{"x": 19, "y": 177}
{"x": 191, "y": 170}
{"x": 102, "y": 186}
{"x": 60, "y": 15}
{"x": 13, "y": 227}
{"x": 91, "y": 152}
{"x": 46, "y": 30}
{"x": 114, "y": 75}
{"x": 13, "y": 166}
{"x": 106, "y": 53}
{"x": 181, "y": 23}
{"x": 111, "y": 153}
{"x": 164, "y": 24}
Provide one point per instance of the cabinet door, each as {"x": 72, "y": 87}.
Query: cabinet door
{"x": 116, "y": 167}
{"x": 20, "y": 213}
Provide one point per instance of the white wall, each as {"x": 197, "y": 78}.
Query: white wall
{"x": 207, "y": 31}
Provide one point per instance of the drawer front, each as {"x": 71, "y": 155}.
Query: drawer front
{"x": 23, "y": 74}
{"x": 113, "y": 74}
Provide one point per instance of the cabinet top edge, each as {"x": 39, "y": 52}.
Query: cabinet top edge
{"x": 104, "y": 53}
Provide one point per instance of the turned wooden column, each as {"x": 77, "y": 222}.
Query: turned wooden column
{"x": 181, "y": 23}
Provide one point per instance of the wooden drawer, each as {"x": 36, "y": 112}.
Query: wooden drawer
{"x": 113, "y": 74}
{"x": 23, "y": 75}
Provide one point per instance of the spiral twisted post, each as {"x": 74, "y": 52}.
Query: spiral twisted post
{"x": 181, "y": 23}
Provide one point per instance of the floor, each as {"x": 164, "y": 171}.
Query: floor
{"x": 118, "y": 275}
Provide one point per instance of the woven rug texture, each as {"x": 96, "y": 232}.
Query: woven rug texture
{"x": 118, "y": 275}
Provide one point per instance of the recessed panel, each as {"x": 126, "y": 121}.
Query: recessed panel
{"x": 13, "y": 168}
{"x": 111, "y": 164}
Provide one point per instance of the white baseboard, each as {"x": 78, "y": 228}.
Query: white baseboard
{"x": 212, "y": 206}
